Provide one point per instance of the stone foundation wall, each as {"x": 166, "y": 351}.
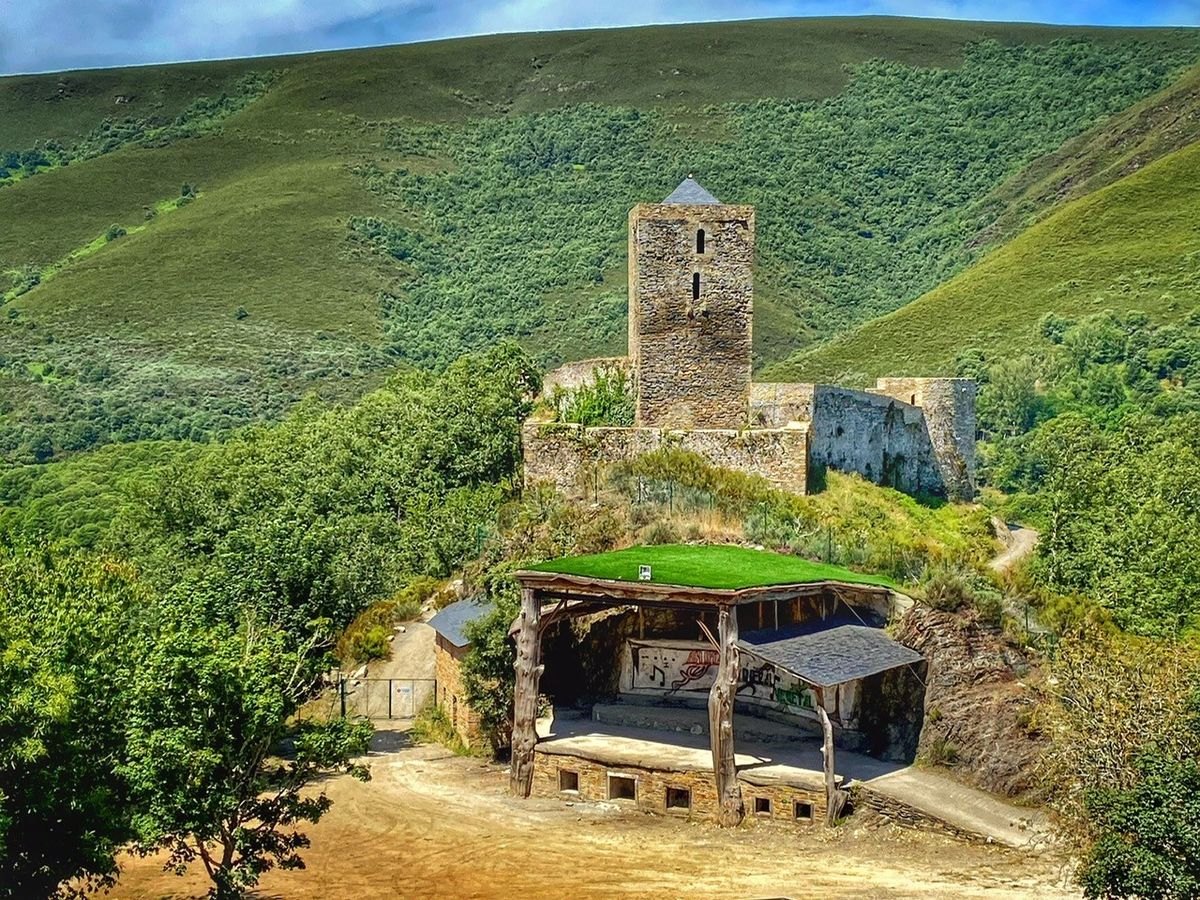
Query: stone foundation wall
{"x": 451, "y": 696}
{"x": 652, "y": 784}
{"x": 569, "y": 455}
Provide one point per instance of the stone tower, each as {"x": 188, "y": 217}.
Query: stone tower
{"x": 691, "y": 300}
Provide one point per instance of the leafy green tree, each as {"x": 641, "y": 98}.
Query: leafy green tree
{"x": 217, "y": 773}
{"x": 68, "y": 641}
{"x": 487, "y": 670}
{"x": 1149, "y": 834}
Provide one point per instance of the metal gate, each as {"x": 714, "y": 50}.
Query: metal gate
{"x": 384, "y": 698}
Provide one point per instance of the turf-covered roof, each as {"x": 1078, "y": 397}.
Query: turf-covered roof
{"x": 719, "y": 567}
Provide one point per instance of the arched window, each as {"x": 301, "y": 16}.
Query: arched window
{"x": 700, "y": 241}
{"x": 695, "y": 285}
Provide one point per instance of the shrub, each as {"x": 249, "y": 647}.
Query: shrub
{"x": 114, "y": 231}
{"x": 607, "y": 400}
{"x": 662, "y": 531}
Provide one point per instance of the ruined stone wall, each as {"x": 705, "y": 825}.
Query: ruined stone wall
{"x": 569, "y": 455}
{"x": 451, "y": 696}
{"x": 574, "y": 375}
{"x": 691, "y": 355}
{"x": 949, "y": 408}
{"x": 775, "y": 405}
{"x": 884, "y": 440}
{"x": 652, "y": 784}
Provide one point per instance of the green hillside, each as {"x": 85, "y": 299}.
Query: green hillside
{"x": 350, "y": 212}
{"x": 1134, "y": 245}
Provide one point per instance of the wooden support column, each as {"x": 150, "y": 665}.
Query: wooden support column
{"x": 835, "y": 798}
{"x": 731, "y": 810}
{"x": 528, "y": 666}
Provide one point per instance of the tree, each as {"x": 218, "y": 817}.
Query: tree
{"x": 1149, "y": 834}
{"x": 216, "y": 770}
{"x": 487, "y": 670}
{"x": 68, "y": 640}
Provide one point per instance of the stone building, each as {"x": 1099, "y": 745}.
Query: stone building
{"x": 691, "y": 308}
{"x": 450, "y": 646}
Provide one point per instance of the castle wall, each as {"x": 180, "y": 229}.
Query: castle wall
{"x": 882, "y": 439}
{"x": 574, "y": 375}
{"x": 776, "y": 404}
{"x": 567, "y": 455}
{"x": 691, "y": 356}
{"x": 949, "y": 408}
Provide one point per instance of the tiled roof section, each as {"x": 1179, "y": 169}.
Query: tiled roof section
{"x": 832, "y": 655}
{"x": 691, "y": 193}
{"x": 451, "y": 621}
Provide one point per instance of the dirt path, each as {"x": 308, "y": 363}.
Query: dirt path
{"x": 1019, "y": 542}
{"x": 433, "y": 825}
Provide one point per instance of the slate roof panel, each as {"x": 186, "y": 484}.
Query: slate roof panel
{"x": 831, "y": 655}
{"x": 691, "y": 193}
{"x": 451, "y": 621}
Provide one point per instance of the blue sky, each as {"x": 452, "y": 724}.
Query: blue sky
{"x": 47, "y": 35}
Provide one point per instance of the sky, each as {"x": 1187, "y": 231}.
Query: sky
{"x": 49, "y": 35}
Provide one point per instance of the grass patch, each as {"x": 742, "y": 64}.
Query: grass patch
{"x": 432, "y": 726}
{"x": 718, "y": 567}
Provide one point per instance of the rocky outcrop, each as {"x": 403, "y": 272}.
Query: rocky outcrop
{"x": 978, "y": 708}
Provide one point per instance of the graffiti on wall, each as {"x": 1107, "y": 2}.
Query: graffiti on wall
{"x": 680, "y": 669}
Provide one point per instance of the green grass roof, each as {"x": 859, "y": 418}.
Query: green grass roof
{"x": 720, "y": 567}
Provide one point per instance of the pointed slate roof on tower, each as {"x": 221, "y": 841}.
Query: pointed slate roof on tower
{"x": 691, "y": 193}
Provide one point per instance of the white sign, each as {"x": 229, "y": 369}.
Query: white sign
{"x": 643, "y": 573}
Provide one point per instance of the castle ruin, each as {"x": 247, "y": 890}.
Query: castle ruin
{"x": 691, "y": 305}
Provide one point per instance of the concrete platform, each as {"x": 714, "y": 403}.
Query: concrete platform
{"x": 788, "y": 757}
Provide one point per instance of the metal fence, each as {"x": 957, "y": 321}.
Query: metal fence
{"x": 373, "y": 698}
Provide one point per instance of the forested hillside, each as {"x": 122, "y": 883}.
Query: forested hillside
{"x": 191, "y": 248}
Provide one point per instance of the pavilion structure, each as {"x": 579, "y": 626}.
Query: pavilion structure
{"x": 819, "y": 649}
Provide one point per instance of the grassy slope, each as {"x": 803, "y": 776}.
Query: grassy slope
{"x": 268, "y": 233}
{"x": 729, "y": 567}
{"x": 1134, "y": 244}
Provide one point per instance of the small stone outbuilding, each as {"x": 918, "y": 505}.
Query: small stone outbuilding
{"x": 451, "y": 645}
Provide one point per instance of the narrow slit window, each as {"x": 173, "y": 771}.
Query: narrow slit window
{"x": 700, "y": 241}
{"x": 695, "y": 285}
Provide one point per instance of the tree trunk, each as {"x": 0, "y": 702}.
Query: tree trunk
{"x": 525, "y": 693}
{"x": 731, "y": 810}
{"x": 835, "y": 798}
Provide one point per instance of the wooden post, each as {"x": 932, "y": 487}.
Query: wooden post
{"x": 731, "y": 810}
{"x": 835, "y": 798}
{"x": 525, "y": 693}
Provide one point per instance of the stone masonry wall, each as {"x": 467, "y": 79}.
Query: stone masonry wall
{"x": 949, "y": 408}
{"x": 568, "y": 455}
{"x": 775, "y": 405}
{"x": 451, "y": 696}
{"x": 652, "y": 784}
{"x": 574, "y": 375}
{"x": 691, "y": 356}
{"x": 884, "y": 440}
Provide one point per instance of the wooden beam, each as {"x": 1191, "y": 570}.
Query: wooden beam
{"x": 731, "y": 810}
{"x": 835, "y": 798}
{"x": 528, "y": 668}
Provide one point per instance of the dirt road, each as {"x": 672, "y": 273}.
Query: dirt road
{"x": 433, "y": 825}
